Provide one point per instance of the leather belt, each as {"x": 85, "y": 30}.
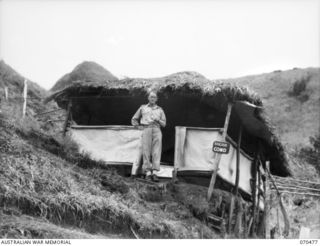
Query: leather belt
{"x": 151, "y": 126}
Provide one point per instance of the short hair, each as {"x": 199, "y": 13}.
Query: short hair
{"x": 152, "y": 92}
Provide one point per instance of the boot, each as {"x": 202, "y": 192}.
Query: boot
{"x": 155, "y": 178}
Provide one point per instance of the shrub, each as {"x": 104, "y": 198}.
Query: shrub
{"x": 312, "y": 154}
{"x": 299, "y": 89}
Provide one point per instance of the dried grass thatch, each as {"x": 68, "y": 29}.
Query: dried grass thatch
{"x": 184, "y": 82}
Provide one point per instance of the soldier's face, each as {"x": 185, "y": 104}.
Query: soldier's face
{"x": 152, "y": 98}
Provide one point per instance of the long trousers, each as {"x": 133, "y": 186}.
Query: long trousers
{"x": 151, "y": 148}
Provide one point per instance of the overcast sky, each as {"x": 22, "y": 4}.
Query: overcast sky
{"x": 44, "y": 39}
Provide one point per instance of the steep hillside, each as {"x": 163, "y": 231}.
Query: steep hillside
{"x": 12, "y": 107}
{"x": 14, "y": 82}
{"x": 292, "y": 101}
{"x": 85, "y": 71}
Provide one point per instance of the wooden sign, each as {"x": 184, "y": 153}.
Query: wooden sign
{"x": 221, "y": 147}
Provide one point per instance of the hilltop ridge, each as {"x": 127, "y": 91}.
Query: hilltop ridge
{"x": 86, "y": 71}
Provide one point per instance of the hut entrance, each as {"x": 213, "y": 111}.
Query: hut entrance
{"x": 180, "y": 110}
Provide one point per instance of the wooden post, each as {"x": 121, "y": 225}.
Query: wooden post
{"x": 249, "y": 227}
{"x": 245, "y": 220}
{"x": 230, "y": 213}
{"x": 174, "y": 175}
{"x": 238, "y": 160}
{"x": 238, "y": 227}
{"x": 239, "y": 217}
{"x": 258, "y": 194}
{"x": 6, "y": 96}
{"x": 254, "y": 192}
{"x": 266, "y": 203}
{"x": 67, "y": 118}
{"x": 25, "y": 93}
{"x": 218, "y": 156}
{"x": 278, "y": 223}
{"x": 235, "y": 191}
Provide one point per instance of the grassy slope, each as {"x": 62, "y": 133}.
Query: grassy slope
{"x": 15, "y": 82}
{"x": 24, "y": 226}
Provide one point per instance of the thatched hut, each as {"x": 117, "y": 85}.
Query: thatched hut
{"x": 189, "y": 100}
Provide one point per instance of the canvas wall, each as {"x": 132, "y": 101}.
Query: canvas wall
{"x": 108, "y": 143}
{"x": 193, "y": 152}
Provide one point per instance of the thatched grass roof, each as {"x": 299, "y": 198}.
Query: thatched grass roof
{"x": 177, "y": 82}
{"x": 214, "y": 93}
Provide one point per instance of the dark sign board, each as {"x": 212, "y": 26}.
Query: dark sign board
{"x": 221, "y": 147}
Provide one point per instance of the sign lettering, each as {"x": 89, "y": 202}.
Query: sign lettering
{"x": 221, "y": 147}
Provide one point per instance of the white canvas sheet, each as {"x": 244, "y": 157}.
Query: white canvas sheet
{"x": 194, "y": 152}
{"x": 110, "y": 144}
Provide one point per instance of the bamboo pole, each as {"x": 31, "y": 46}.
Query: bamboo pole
{"x": 25, "y": 93}
{"x": 218, "y": 156}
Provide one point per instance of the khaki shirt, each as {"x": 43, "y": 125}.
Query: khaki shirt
{"x": 149, "y": 116}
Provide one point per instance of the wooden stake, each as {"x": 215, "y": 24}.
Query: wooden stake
{"x": 235, "y": 191}
{"x": 249, "y": 227}
{"x": 238, "y": 227}
{"x": 231, "y": 213}
{"x": 67, "y": 118}
{"x": 266, "y": 203}
{"x": 6, "y": 93}
{"x": 238, "y": 160}
{"x": 25, "y": 93}
{"x": 218, "y": 156}
{"x": 258, "y": 195}
{"x": 254, "y": 192}
{"x": 278, "y": 223}
{"x": 239, "y": 216}
{"x": 245, "y": 219}
{"x": 174, "y": 176}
